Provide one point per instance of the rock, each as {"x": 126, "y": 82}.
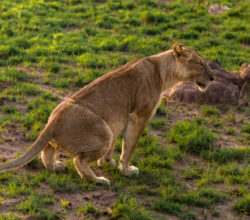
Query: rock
{"x": 216, "y": 9}
{"x": 232, "y": 88}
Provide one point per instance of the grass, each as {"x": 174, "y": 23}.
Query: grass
{"x": 9, "y": 217}
{"x": 128, "y": 208}
{"x": 210, "y": 111}
{"x": 161, "y": 110}
{"x": 36, "y": 206}
{"x": 246, "y": 128}
{"x": 65, "y": 204}
{"x": 231, "y": 131}
{"x": 168, "y": 207}
{"x": 89, "y": 209}
{"x": 243, "y": 205}
{"x": 50, "y": 49}
{"x": 60, "y": 183}
{"x": 172, "y": 202}
{"x": 192, "y": 173}
{"x": 227, "y": 155}
{"x": 191, "y": 136}
{"x": 158, "y": 124}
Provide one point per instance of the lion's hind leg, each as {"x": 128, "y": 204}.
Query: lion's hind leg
{"x": 83, "y": 168}
{"x": 48, "y": 158}
{"x": 108, "y": 156}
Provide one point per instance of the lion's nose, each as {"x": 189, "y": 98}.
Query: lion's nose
{"x": 211, "y": 78}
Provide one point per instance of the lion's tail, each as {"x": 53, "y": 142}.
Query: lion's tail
{"x": 37, "y": 147}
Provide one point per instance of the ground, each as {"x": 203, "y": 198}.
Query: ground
{"x": 193, "y": 158}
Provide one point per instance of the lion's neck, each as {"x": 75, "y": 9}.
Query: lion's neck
{"x": 167, "y": 67}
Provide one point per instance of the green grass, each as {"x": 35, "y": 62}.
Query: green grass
{"x": 50, "y": 49}
{"x": 192, "y": 173}
{"x": 158, "y": 124}
{"x": 231, "y": 131}
{"x": 227, "y": 155}
{"x": 191, "y": 136}
{"x": 89, "y": 209}
{"x": 60, "y": 183}
{"x": 9, "y": 217}
{"x": 14, "y": 187}
{"x": 168, "y": 207}
{"x": 210, "y": 111}
{"x": 36, "y": 206}
{"x": 9, "y": 109}
{"x": 243, "y": 205}
{"x": 161, "y": 110}
{"x": 173, "y": 200}
{"x": 246, "y": 128}
{"x": 128, "y": 208}
{"x": 65, "y": 204}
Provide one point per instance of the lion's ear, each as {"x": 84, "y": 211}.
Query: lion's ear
{"x": 178, "y": 50}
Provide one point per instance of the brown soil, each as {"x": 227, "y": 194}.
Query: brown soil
{"x": 102, "y": 199}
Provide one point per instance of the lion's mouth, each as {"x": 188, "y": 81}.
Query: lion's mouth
{"x": 202, "y": 85}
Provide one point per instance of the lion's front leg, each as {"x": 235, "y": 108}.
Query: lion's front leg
{"x": 132, "y": 133}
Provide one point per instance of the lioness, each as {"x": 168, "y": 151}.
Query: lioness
{"x": 88, "y": 123}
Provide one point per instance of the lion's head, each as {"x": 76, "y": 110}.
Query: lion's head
{"x": 191, "y": 66}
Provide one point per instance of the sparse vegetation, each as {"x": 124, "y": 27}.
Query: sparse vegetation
{"x": 210, "y": 111}
{"x": 230, "y": 131}
{"x": 191, "y": 136}
{"x": 161, "y": 110}
{"x": 128, "y": 208}
{"x": 36, "y": 206}
{"x": 9, "y": 217}
{"x": 60, "y": 183}
{"x": 158, "y": 124}
{"x": 89, "y": 209}
{"x": 65, "y": 204}
{"x": 246, "y": 128}
{"x": 243, "y": 205}
{"x": 227, "y": 155}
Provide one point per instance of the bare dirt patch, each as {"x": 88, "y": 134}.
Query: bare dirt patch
{"x": 103, "y": 199}
{"x": 14, "y": 143}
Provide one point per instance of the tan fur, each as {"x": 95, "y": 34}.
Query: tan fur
{"x": 88, "y": 123}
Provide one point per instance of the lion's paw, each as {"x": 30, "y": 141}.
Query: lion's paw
{"x": 102, "y": 180}
{"x": 132, "y": 170}
{"x": 58, "y": 166}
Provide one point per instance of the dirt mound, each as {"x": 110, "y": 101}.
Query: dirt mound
{"x": 232, "y": 88}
